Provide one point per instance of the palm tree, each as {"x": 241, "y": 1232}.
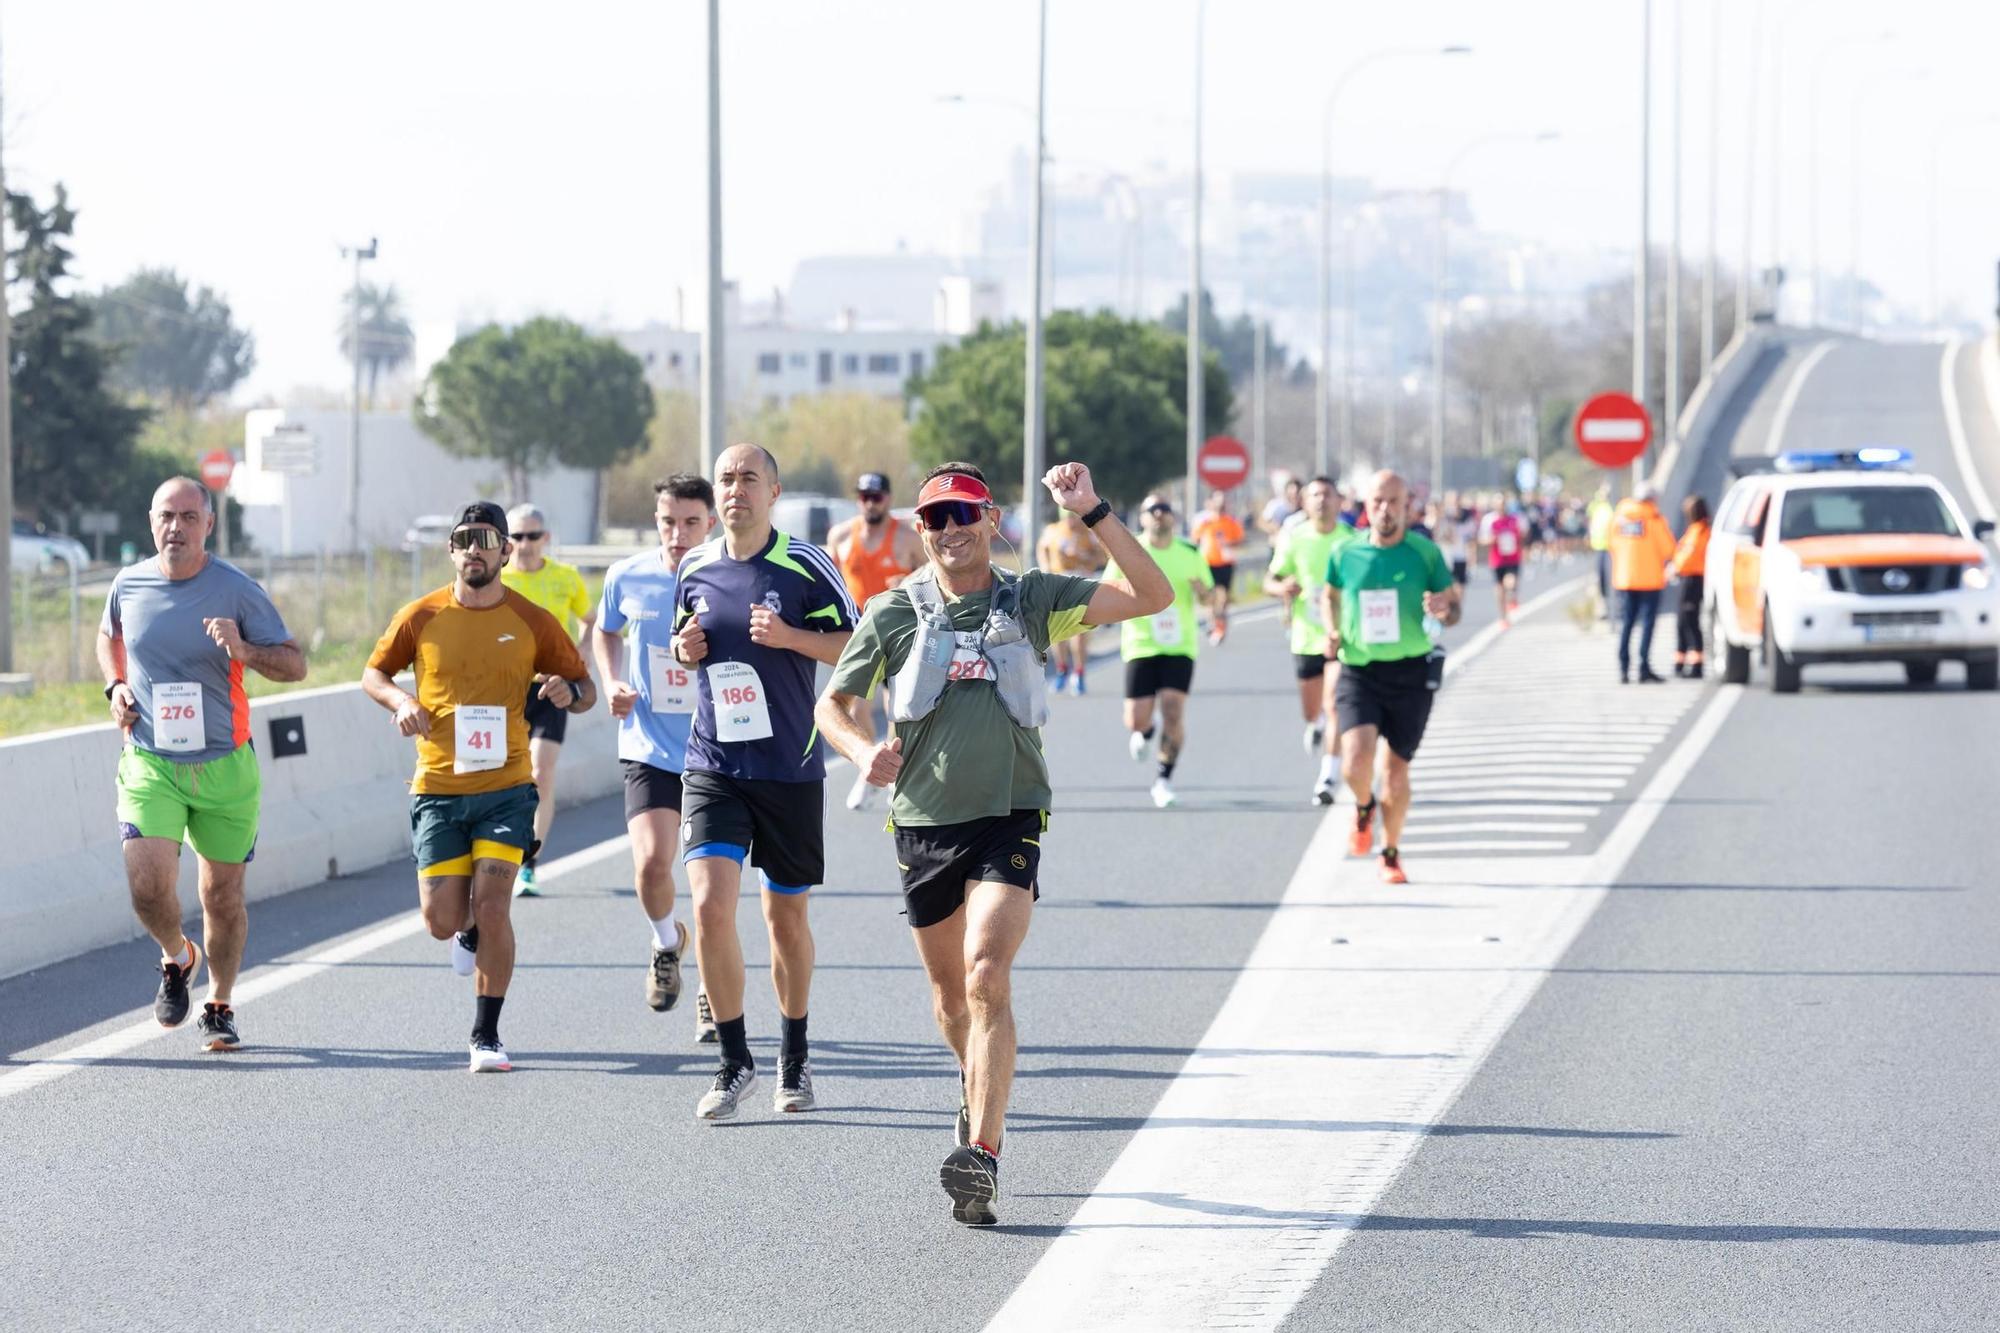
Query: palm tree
{"x": 387, "y": 345}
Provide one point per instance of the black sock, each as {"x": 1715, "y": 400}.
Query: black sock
{"x": 735, "y": 1045}
{"x": 486, "y": 1017}
{"x": 1147, "y": 733}
{"x": 1167, "y": 767}
{"x": 791, "y": 1037}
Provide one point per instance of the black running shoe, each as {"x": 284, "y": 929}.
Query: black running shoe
{"x": 971, "y": 1176}
{"x": 170, "y": 1002}
{"x": 217, "y": 1026}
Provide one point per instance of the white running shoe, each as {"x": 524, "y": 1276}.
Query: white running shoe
{"x": 1163, "y": 794}
{"x": 859, "y": 794}
{"x": 721, "y": 1100}
{"x": 465, "y": 951}
{"x": 1315, "y": 736}
{"x": 1140, "y": 747}
{"x": 1324, "y": 793}
{"x": 489, "y": 1057}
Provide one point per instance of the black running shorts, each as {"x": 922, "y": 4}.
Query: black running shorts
{"x": 1224, "y": 576}
{"x": 783, "y": 824}
{"x": 1393, "y": 697}
{"x": 939, "y": 860}
{"x": 1147, "y": 676}
{"x": 545, "y": 721}
{"x": 649, "y": 788}
{"x": 1310, "y": 666}
{"x": 1502, "y": 573}
{"x": 1458, "y": 572}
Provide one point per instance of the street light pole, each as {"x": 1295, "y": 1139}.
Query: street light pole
{"x": 1257, "y": 377}
{"x": 1195, "y": 405}
{"x": 1750, "y": 178}
{"x": 714, "y": 407}
{"x": 357, "y": 253}
{"x": 1642, "y": 277}
{"x": 1714, "y": 180}
{"x": 6, "y": 448}
{"x": 1034, "y": 440}
{"x": 1347, "y": 322}
{"x": 1672, "y": 379}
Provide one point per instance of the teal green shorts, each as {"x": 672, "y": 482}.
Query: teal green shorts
{"x": 447, "y": 832}
{"x": 213, "y": 805}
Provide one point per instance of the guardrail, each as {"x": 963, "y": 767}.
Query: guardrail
{"x": 341, "y": 807}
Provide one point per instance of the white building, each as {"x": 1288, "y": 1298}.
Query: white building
{"x": 776, "y": 365}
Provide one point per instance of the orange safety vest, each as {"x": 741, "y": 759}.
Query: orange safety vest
{"x": 866, "y": 570}
{"x": 1641, "y": 546}
{"x": 1691, "y": 556}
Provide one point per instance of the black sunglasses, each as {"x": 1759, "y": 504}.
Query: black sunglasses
{"x": 869, "y": 497}
{"x": 527, "y": 536}
{"x": 486, "y": 539}
{"x": 1159, "y": 509}
{"x": 962, "y": 512}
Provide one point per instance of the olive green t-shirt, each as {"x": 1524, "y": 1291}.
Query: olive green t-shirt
{"x": 967, "y": 760}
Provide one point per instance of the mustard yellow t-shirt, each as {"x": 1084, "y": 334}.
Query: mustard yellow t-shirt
{"x": 557, "y": 588}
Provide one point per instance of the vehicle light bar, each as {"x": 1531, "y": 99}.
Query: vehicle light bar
{"x": 1868, "y": 458}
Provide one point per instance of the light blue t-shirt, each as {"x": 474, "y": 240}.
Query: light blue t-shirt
{"x": 639, "y": 592}
{"x": 192, "y": 705}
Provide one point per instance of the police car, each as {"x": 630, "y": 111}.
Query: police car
{"x": 1849, "y": 557}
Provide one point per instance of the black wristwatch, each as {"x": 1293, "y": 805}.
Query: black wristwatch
{"x": 112, "y": 687}
{"x": 1097, "y": 515}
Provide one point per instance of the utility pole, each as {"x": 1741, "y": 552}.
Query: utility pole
{"x": 1642, "y": 276}
{"x": 714, "y": 408}
{"x": 6, "y": 448}
{"x": 1034, "y": 426}
{"x": 357, "y": 253}
{"x": 1714, "y": 179}
{"x": 1750, "y": 180}
{"x": 1671, "y": 417}
{"x": 1257, "y": 377}
{"x": 1194, "y": 388}
{"x": 1347, "y": 364}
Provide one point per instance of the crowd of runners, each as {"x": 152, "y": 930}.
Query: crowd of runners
{"x": 707, "y": 648}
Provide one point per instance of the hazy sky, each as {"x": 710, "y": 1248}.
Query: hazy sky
{"x": 518, "y": 158}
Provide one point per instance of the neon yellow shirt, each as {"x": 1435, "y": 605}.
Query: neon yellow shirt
{"x": 557, "y": 588}
{"x": 1176, "y": 631}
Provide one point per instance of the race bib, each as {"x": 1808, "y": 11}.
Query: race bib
{"x": 1167, "y": 627}
{"x": 1506, "y": 543}
{"x": 670, "y": 685}
{"x": 967, "y": 662}
{"x": 177, "y": 717}
{"x": 742, "y": 713}
{"x": 479, "y": 738}
{"x": 1381, "y": 616}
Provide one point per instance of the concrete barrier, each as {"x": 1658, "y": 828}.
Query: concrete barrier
{"x": 341, "y": 807}
{"x": 1681, "y": 462}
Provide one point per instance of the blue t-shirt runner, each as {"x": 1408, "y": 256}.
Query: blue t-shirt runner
{"x": 639, "y": 592}
{"x": 753, "y": 716}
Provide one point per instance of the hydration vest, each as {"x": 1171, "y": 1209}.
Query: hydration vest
{"x": 1013, "y": 667}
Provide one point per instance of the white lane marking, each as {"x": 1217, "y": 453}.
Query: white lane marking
{"x": 1480, "y": 845}
{"x": 1422, "y": 810}
{"x": 1774, "y": 442}
{"x": 1227, "y": 1204}
{"x": 1497, "y": 826}
{"x": 1554, "y": 769}
{"x": 261, "y": 982}
{"x": 1606, "y": 785}
{"x": 1954, "y": 421}
{"x": 1524, "y": 753}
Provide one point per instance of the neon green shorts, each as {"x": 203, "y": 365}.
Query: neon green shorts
{"x": 213, "y": 805}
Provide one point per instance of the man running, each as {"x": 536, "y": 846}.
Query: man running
{"x": 177, "y": 632}
{"x": 875, "y": 552}
{"x": 1067, "y": 547}
{"x": 1378, "y": 591}
{"x": 559, "y": 590}
{"x": 962, "y": 645}
{"x": 1298, "y": 571}
{"x": 652, "y": 696}
{"x": 476, "y": 646}
{"x": 1159, "y": 649}
{"x": 755, "y": 611}
{"x": 1500, "y": 532}
{"x": 1218, "y": 534}
{"x": 1286, "y": 502}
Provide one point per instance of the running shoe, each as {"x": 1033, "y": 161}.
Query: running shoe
{"x": 170, "y": 1002}
{"x": 1076, "y": 685}
{"x": 524, "y": 882}
{"x": 1392, "y": 867}
{"x": 721, "y": 1100}
{"x": 465, "y": 951}
{"x": 860, "y": 794}
{"x": 663, "y": 979}
{"x": 1362, "y": 841}
{"x": 488, "y": 1057}
{"x": 1140, "y": 746}
{"x": 217, "y": 1026}
{"x": 704, "y": 1021}
{"x": 971, "y": 1176}
{"x": 1315, "y": 736}
{"x": 795, "y": 1087}
{"x": 1325, "y": 791}
{"x": 1163, "y": 794}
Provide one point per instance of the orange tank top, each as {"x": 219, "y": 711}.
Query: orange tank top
{"x": 866, "y": 570}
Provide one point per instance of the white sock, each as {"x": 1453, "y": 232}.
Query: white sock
{"x": 666, "y": 931}
{"x": 1329, "y": 768}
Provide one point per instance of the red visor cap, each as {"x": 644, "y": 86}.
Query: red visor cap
{"x": 954, "y": 486}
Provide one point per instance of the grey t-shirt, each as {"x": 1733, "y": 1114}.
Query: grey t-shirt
{"x": 171, "y": 663}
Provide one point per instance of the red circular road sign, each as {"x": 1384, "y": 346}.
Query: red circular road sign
{"x": 1612, "y": 429}
{"x": 1223, "y": 463}
{"x": 216, "y": 467}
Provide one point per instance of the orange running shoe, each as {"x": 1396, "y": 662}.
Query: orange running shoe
{"x": 1392, "y": 867}
{"x": 1362, "y": 841}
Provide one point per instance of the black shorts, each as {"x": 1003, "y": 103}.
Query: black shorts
{"x": 939, "y": 860}
{"x": 1147, "y": 676}
{"x": 782, "y": 824}
{"x": 1224, "y": 576}
{"x": 545, "y": 721}
{"x": 649, "y": 788}
{"x": 1310, "y": 666}
{"x": 1458, "y": 571}
{"x": 1503, "y": 572}
{"x": 1393, "y": 697}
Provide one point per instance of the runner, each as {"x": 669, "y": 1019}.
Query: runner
{"x": 875, "y": 552}
{"x": 177, "y": 632}
{"x": 1378, "y": 592}
{"x": 476, "y": 645}
{"x": 969, "y": 700}
{"x": 1298, "y": 571}
{"x": 559, "y": 590}
{"x": 1458, "y": 529}
{"x": 1066, "y": 547}
{"x": 1218, "y": 534}
{"x": 654, "y": 709}
{"x": 755, "y": 610}
{"x": 1159, "y": 650}
{"x": 1286, "y": 503}
{"x": 1500, "y": 532}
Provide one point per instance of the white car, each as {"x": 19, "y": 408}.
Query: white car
{"x": 1850, "y": 557}
{"x": 427, "y": 531}
{"x": 44, "y": 552}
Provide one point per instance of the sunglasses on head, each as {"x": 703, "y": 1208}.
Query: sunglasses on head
{"x": 486, "y": 539}
{"x": 527, "y": 536}
{"x": 962, "y": 512}
{"x": 869, "y": 497}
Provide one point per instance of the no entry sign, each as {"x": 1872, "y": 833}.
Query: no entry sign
{"x": 1223, "y": 463}
{"x": 1612, "y": 429}
{"x": 216, "y": 467}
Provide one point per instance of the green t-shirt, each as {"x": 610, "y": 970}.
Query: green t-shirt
{"x": 1176, "y": 631}
{"x": 1382, "y": 597}
{"x": 967, "y": 760}
{"x": 1301, "y": 553}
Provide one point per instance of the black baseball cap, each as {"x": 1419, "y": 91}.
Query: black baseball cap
{"x": 482, "y": 511}
{"x": 872, "y": 481}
